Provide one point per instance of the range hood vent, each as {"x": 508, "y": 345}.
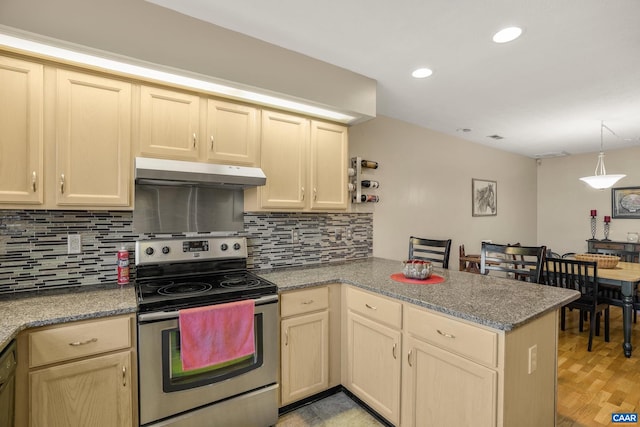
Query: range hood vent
{"x": 175, "y": 172}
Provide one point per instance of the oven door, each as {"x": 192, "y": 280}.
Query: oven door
{"x": 166, "y": 390}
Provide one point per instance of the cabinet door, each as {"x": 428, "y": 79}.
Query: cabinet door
{"x": 284, "y": 145}
{"x": 21, "y": 96}
{"x": 329, "y": 163}
{"x": 93, "y": 140}
{"x": 304, "y": 356}
{"x": 232, "y": 132}
{"x": 169, "y": 123}
{"x": 441, "y": 388}
{"x": 92, "y": 392}
{"x": 373, "y": 365}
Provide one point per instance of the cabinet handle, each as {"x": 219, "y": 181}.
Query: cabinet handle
{"x": 409, "y": 357}
{"x": 302, "y": 193}
{"x": 444, "y": 334}
{"x": 61, "y": 183}
{"x": 307, "y": 302}
{"x": 78, "y": 343}
{"x": 394, "y": 351}
{"x": 211, "y": 142}
{"x": 194, "y": 140}
{"x": 372, "y": 307}
{"x": 33, "y": 180}
{"x": 124, "y": 376}
{"x": 315, "y": 194}
{"x": 286, "y": 337}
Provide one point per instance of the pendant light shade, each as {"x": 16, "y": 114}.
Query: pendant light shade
{"x": 601, "y": 180}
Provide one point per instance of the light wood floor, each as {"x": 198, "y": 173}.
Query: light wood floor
{"x": 593, "y": 385}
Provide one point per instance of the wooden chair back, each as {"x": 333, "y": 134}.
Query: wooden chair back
{"x": 436, "y": 251}
{"x": 581, "y": 276}
{"x": 519, "y": 262}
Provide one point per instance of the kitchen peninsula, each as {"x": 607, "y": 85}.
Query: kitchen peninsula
{"x": 487, "y": 346}
{"x": 473, "y": 350}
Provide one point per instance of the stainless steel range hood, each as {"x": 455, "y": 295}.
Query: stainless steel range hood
{"x": 174, "y": 172}
{"x": 177, "y": 197}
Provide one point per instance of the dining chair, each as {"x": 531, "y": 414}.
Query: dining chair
{"x": 581, "y": 276}
{"x": 517, "y": 262}
{"x": 437, "y": 251}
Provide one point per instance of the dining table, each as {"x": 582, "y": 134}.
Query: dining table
{"x": 626, "y": 276}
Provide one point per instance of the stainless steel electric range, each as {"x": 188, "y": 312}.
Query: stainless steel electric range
{"x": 176, "y": 274}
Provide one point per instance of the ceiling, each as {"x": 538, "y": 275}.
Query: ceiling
{"x": 576, "y": 64}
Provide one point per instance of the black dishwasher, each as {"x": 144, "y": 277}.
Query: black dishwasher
{"x": 7, "y": 385}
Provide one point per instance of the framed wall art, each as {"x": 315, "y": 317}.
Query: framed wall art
{"x": 625, "y": 202}
{"x": 484, "y": 197}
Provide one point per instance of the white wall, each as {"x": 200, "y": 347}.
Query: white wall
{"x": 147, "y": 32}
{"x": 564, "y": 201}
{"x": 425, "y": 189}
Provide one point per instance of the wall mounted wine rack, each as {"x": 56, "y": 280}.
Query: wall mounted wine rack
{"x": 355, "y": 181}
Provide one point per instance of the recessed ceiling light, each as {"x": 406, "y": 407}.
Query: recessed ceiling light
{"x": 507, "y": 34}
{"x": 421, "y": 73}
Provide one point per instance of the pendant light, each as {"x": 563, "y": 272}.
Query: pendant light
{"x": 601, "y": 180}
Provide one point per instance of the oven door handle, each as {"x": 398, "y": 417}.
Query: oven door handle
{"x": 164, "y": 315}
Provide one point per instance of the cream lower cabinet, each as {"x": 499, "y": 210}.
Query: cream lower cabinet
{"x": 463, "y": 374}
{"x": 78, "y": 374}
{"x": 373, "y": 351}
{"x": 304, "y": 349}
{"x": 441, "y": 387}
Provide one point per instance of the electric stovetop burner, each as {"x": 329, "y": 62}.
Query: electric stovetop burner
{"x": 183, "y": 273}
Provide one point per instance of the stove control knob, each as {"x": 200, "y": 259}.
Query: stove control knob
{"x": 149, "y": 251}
{"x": 236, "y": 246}
{"x": 224, "y": 247}
{"x": 165, "y": 250}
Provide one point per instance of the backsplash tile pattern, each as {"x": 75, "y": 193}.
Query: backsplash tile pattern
{"x": 33, "y": 244}
{"x": 271, "y": 245}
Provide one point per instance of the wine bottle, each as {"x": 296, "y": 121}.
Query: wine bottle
{"x": 369, "y": 198}
{"x": 369, "y": 164}
{"x": 370, "y": 184}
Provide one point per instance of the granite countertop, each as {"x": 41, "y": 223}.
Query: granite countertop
{"x": 20, "y": 312}
{"x": 495, "y": 302}
{"x": 491, "y": 301}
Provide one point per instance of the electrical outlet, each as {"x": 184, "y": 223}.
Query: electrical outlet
{"x": 349, "y": 233}
{"x": 295, "y": 236}
{"x": 533, "y": 358}
{"x": 74, "y": 244}
{"x": 338, "y": 234}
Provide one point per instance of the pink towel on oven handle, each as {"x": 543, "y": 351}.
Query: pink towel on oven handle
{"x": 216, "y": 333}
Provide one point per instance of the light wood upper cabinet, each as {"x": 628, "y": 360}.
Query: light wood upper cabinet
{"x": 92, "y": 139}
{"x": 21, "y": 131}
{"x": 232, "y": 133}
{"x": 328, "y": 167}
{"x": 284, "y": 148}
{"x": 169, "y": 124}
{"x": 305, "y": 162}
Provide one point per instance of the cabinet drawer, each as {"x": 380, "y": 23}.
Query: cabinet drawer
{"x": 375, "y": 307}
{"x": 467, "y": 340}
{"x": 304, "y": 301}
{"x": 613, "y": 246}
{"x": 79, "y": 339}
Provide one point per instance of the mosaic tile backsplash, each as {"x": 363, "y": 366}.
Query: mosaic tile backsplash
{"x": 33, "y": 244}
